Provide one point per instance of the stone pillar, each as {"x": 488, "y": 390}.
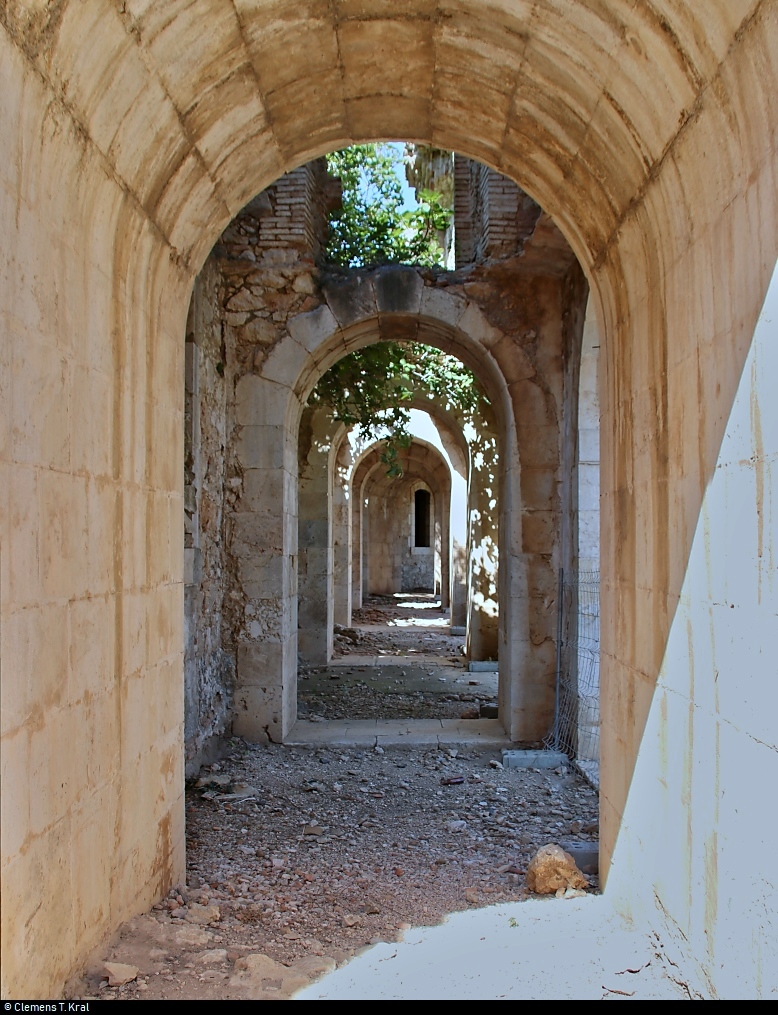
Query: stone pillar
{"x": 357, "y": 516}
{"x": 342, "y": 506}
{"x": 359, "y": 532}
{"x": 458, "y": 584}
{"x": 483, "y": 549}
{"x": 314, "y": 575}
{"x": 263, "y": 543}
{"x": 364, "y": 558}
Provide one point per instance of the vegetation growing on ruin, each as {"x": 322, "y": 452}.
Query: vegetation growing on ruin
{"x": 372, "y": 389}
{"x": 372, "y": 226}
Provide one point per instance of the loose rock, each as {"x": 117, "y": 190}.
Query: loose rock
{"x": 202, "y": 915}
{"x": 389, "y": 860}
{"x": 120, "y": 973}
{"x": 552, "y": 869}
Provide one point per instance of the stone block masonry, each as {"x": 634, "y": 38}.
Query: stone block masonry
{"x": 132, "y": 133}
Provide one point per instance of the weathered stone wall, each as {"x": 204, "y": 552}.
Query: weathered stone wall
{"x": 261, "y": 269}
{"x": 394, "y": 564}
{"x": 492, "y": 216}
{"x": 208, "y": 668}
{"x": 420, "y": 565}
{"x": 268, "y": 272}
{"x": 537, "y": 302}
{"x": 290, "y": 214}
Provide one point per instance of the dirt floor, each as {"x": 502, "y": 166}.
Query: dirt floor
{"x": 297, "y": 859}
{"x": 300, "y": 857}
{"x": 407, "y": 691}
{"x": 398, "y": 660}
{"x": 405, "y": 624}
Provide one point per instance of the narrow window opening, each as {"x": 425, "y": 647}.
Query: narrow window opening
{"x": 422, "y": 527}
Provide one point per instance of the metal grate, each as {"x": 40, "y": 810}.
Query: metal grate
{"x": 576, "y": 730}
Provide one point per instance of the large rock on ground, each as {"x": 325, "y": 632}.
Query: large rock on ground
{"x": 551, "y": 869}
{"x": 119, "y": 973}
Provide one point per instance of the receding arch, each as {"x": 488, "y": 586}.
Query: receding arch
{"x": 391, "y": 303}
{"x": 422, "y": 466}
{"x": 650, "y": 139}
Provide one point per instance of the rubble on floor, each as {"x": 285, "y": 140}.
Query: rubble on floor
{"x": 298, "y": 858}
{"x": 399, "y": 626}
{"x": 406, "y": 690}
{"x": 399, "y": 660}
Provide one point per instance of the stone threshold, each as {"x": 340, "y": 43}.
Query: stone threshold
{"x": 411, "y": 659}
{"x": 487, "y": 734}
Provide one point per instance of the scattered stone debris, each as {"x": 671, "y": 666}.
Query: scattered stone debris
{"x": 386, "y": 624}
{"x": 287, "y": 883}
{"x": 406, "y": 665}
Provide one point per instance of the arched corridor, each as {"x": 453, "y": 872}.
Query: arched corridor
{"x": 134, "y": 135}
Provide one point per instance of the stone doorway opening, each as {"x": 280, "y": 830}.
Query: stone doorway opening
{"x": 385, "y": 537}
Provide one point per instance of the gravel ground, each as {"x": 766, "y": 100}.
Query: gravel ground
{"x": 309, "y": 855}
{"x": 406, "y": 626}
{"x": 299, "y": 858}
{"x": 406, "y": 691}
{"x": 395, "y": 632}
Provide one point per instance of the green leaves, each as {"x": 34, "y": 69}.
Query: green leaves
{"x": 371, "y": 389}
{"x": 372, "y": 227}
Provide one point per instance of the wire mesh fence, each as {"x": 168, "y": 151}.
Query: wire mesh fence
{"x": 576, "y": 730}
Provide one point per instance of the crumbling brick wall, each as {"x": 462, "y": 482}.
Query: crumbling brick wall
{"x": 492, "y": 216}
{"x": 291, "y": 214}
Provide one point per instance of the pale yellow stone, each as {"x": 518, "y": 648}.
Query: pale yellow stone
{"x": 654, "y": 150}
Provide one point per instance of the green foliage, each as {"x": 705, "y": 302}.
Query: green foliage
{"x": 371, "y": 389}
{"x": 371, "y": 227}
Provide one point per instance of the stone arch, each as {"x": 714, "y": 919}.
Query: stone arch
{"x": 324, "y": 515}
{"x": 422, "y": 464}
{"x": 125, "y": 167}
{"x": 452, "y": 436}
{"x": 388, "y": 303}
